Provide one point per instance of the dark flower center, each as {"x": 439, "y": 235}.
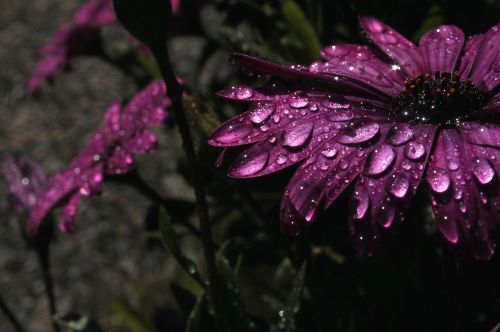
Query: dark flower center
{"x": 442, "y": 99}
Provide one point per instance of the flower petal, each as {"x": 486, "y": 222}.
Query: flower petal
{"x": 297, "y": 141}
{"x": 469, "y": 54}
{"x": 389, "y": 181}
{"x": 142, "y": 142}
{"x": 68, "y": 214}
{"x": 120, "y": 162}
{"x": 267, "y": 118}
{"x": 486, "y": 134}
{"x": 341, "y": 84}
{"x": 456, "y": 199}
{"x": 397, "y": 47}
{"x": 441, "y": 47}
{"x": 486, "y": 67}
{"x": 360, "y": 63}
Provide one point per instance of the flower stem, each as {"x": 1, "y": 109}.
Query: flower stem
{"x": 175, "y": 93}
{"x": 10, "y": 315}
{"x": 44, "y": 262}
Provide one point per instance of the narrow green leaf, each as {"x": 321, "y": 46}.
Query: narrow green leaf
{"x": 288, "y": 313}
{"x": 199, "y": 319}
{"x": 131, "y": 320}
{"x": 76, "y": 322}
{"x": 169, "y": 237}
{"x": 300, "y": 26}
{"x": 237, "y": 317}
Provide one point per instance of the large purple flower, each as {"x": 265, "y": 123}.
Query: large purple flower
{"x": 71, "y": 40}
{"x": 384, "y": 116}
{"x": 110, "y": 152}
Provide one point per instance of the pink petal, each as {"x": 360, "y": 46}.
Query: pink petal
{"x": 460, "y": 215}
{"x": 486, "y": 134}
{"x": 441, "y": 47}
{"x": 401, "y": 50}
{"x": 360, "y": 63}
{"x": 68, "y": 214}
{"x": 389, "y": 181}
{"x": 486, "y": 64}
{"x": 297, "y": 141}
{"x": 120, "y": 162}
{"x": 112, "y": 117}
{"x": 142, "y": 142}
{"x": 469, "y": 54}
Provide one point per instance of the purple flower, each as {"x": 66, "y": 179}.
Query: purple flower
{"x": 110, "y": 152}
{"x": 383, "y": 120}
{"x": 71, "y": 40}
{"x": 25, "y": 180}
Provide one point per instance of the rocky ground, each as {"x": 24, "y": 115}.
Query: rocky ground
{"x": 106, "y": 259}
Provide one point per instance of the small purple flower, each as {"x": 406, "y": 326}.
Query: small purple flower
{"x": 25, "y": 180}
{"x": 110, "y": 152}
{"x": 384, "y": 120}
{"x": 71, "y": 40}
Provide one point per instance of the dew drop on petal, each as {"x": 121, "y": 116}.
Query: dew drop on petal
{"x": 262, "y": 113}
{"x": 358, "y": 133}
{"x": 243, "y": 92}
{"x": 329, "y": 153}
{"x": 298, "y": 101}
{"x": 296, "y": 136}
{"x": 439, "y": 179}
{"x": 400, "y": 134}
{"x": 249, "y": 164}
{"x": 281, "y": 159}
{"x": 232, "y": 133}
{"x": 380, "y": 159}
{"x": 386, "y": 215}
{"x": 414, "y": 151}
{"x": 482, "y": 170}
{"x": 362, "y": 202}
{"x": 399, "y": 185}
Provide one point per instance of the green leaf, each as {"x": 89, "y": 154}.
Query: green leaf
{"x": 169, "y": 237}
{"x": 76, "y": 322}
{"x": 132, "y": 321}
{"x": 237, "y": 318}
{"x": 302, "y": 29}
{"x": 199, "y": 319}
{"x": 288, "y": 313}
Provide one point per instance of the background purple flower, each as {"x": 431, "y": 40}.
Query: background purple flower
{"x": 25, "y": 180}
{"x": 71, "y": 40}
{"x": 383, "y": 120}
{"x": 110, "y": 152}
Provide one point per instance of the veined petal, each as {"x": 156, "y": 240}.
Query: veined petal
{"x": 487, "y": 61}
{"x": 360, "y": 63}
{"x": 469, "y": 54}
{"x": 487, "y": 135}
{"x": 397, "y": 47}
{"x": 390, "y": 179}
{"x": 68, "y": 214}
{"x": 441, "y": 48}
{"x": 456, "y": 200}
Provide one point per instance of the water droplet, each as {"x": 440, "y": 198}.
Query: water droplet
{"x": 361, "y": 201}
{"x": 281, "y": 159}
{"x": 439, "y": 179}
{"x": 243, "y": 92}
{"x": 414, "y": 151}
{"x": 296, "y": 136}
{"x": 400, "y": 134}
{"x": 482, "y": 170}
{"x": 453, "y": 165}
{"x": 231, "y": 133}
{"x": 340, "y": 115}
{"x": 260, "y": 114}
{"x": 399, "y": 185}
{"x": 358, "y": 133}
{"x": 386, "y": 215}
{"x": 329, "y": 153}
{"x": 380, "y": 159}
{"x": 299, "y": 100}
{"x": 249, "y": 162}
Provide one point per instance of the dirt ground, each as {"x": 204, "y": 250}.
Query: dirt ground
{"x": 106, "y": 259}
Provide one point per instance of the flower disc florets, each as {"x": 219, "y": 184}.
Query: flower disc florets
{"x": 442, "y": 99}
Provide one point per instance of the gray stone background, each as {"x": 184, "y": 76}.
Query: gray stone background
{"x": 106, "y": 258}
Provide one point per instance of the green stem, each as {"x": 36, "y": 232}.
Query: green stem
{"x": 160, "y": 52}
{"x": 10, "y": 315}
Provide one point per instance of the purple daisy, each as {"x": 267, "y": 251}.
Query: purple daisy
{"x": 110, "y": 152}
{"x": 25, "y": 180}
{"x": 71, "y": 40}
{"x": 385, "y": 116}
